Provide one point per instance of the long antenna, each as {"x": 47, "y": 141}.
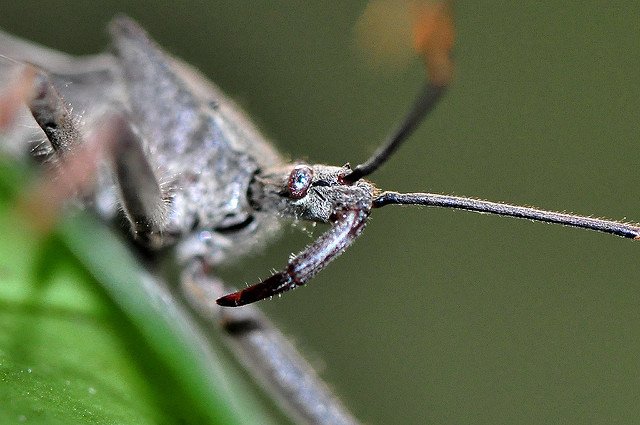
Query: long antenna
{"x": 433, "y": 40}
{"x": 631, "y": 231}
{"x": 425, "y": 102}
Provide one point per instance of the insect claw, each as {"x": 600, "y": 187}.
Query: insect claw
{"x": 231, "y": 300}
{"x": 275, "y": 285}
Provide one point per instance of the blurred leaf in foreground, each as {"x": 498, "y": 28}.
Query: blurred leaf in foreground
{"x": 85, "y": 338}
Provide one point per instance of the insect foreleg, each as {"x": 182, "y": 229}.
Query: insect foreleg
{"x": 31, "y": 86}
{"x": 140, "y": 191}
{"x": 141, "y": 196}
{"x": 53, "y": 115}
{"x": 346, "y": 227}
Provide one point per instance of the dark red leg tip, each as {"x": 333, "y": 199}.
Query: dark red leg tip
{"x": 231, "y": 300}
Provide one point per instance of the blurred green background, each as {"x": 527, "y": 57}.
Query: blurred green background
{"x": 439, "y": 316}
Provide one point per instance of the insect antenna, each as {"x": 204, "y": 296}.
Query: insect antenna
{"x": 433, "y": 40}
{"x": 625, "y": 230}
{"x": 425, "y": 103}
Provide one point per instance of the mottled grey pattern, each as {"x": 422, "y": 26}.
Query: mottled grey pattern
{"x": 203, "y": 149}
{"x": 188, "y": 168}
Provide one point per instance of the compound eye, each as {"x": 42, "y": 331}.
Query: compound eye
{"x": 300, "y": 181}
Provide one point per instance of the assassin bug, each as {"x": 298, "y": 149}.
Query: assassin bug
{"x": 281, "y": 276}
{"x": 198, "y": 179}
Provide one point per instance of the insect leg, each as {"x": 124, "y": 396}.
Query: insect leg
{"x": 346, "y": 227}
{"x": 265, "y": 352}
{"x": 141, "y": 195}
{"x": 53, "y": 116}
{"x": 32, "y": 86}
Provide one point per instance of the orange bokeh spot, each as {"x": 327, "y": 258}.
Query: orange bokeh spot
{"x": 433, "y": 38}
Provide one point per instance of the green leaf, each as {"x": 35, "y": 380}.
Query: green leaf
{"x": 87, "y": 335}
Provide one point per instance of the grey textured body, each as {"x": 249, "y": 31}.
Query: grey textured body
{"x": 222, "y": 186}
{"x": 202, "y": 148}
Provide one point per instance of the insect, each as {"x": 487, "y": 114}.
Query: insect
{"x": 302, "y": 174}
